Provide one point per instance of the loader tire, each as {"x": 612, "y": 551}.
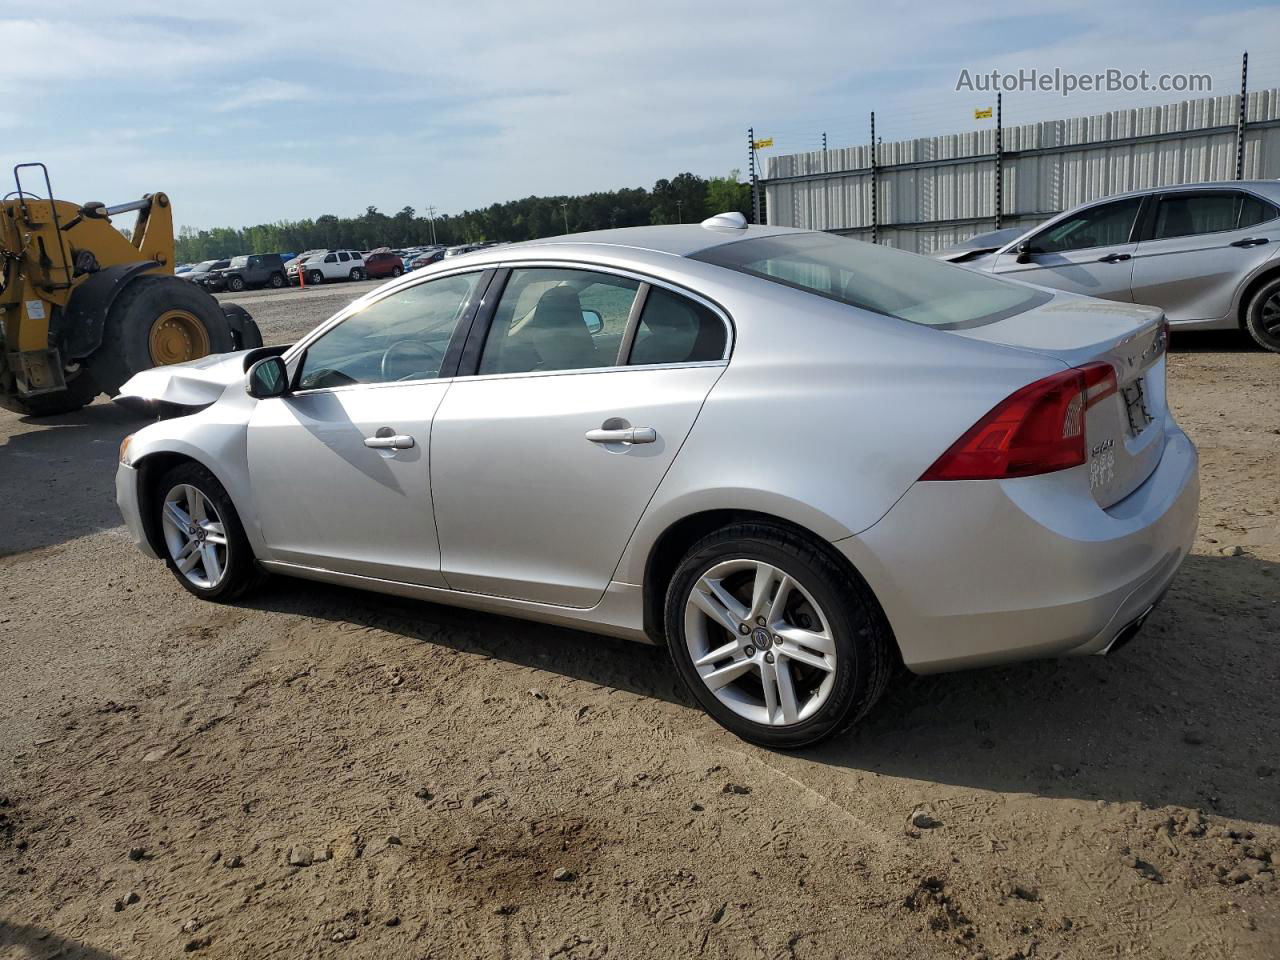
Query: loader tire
{"x": 158, "y": 321}
{"x": 80, "y": 392}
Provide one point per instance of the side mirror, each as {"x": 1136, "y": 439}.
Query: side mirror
{"x": 593, "y": 320}
{"x": 268, "y": 377}
{"x": 1024, "y": 251}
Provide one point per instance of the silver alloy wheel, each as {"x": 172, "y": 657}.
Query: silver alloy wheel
{"x": 760, "y": 642}
{"x": 195, "y": 536}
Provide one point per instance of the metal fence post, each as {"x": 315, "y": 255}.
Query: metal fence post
{"x": 751, "y": 166}
{"x": 1241, "y": 118}
{"x": 999, "y": 165}
{"x": 875, "y": 187}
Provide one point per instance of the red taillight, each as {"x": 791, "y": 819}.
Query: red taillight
{"x": 1039, "y": 429}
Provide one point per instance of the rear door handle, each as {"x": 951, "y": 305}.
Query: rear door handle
{"x": 1250, "y": 242}
{"x": 394, "y": 442}
{"x": 1115, "y": 258}
{"x": 623, "y": 435}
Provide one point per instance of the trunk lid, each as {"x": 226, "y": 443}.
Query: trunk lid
{"x": 1124, "y": 432}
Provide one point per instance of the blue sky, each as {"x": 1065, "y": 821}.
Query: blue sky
{"x": 248, "y": 114}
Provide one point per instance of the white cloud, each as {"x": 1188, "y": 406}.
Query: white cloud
{"x": 262, "y": 91}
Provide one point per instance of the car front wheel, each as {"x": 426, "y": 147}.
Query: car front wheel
{"x": 235, "y": 284}
{"x": 204, "y": 542}
{"x": 315, "y": 277}
{"x": 773, "y": 638}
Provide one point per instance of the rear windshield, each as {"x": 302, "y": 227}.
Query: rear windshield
{"x": 887, "y": 281}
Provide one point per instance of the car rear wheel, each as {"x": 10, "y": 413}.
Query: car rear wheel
{"x": 774, "y": 639}
{"x": 1262, "y": 318}
{"x": 356, "y": 274}
{"x": 205, "y": 545}
{"x": 396, "y": 271}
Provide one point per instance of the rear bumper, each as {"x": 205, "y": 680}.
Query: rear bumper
{"x": 130, "y": 507}
{"x": 980, "y": 572}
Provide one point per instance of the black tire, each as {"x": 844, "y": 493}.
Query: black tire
{"x": 864, "y": 646}
{"x": 241, "y": 569}
{"x": 81, "y": 389}
{"x": 1262, "y": 317}
{"x": 126, "y": 346}
{"x": 356, "y": 274}
{"x": 315, "y": 278}
{"x": 235, "y": 284}
{"x": 276, "y": 281}
{"x": 397, "y": 271}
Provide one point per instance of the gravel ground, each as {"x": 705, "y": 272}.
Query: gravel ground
{"x": 317, "y": 772}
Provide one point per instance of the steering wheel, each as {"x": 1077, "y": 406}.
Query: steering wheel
{"x": 429, "y": 358}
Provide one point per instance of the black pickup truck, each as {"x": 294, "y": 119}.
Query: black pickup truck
{"x": 255, "y": 270}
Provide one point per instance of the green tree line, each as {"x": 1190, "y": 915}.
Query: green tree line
{"x": 685, "y": 198}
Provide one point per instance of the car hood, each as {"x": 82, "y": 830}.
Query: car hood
{"x": 197, "y": 383}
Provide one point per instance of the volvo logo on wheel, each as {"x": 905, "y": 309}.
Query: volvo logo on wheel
{"x": 761, "y": 638}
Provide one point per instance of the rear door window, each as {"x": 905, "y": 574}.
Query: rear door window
{"x": 1189, "y": 214}
{"x": 557, "y": 319}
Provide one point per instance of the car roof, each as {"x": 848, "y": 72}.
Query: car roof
{"x": 679, "y": 239}
{"x": 1270, "y": 188}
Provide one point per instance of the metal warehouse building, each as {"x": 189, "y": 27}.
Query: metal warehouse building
{"x": 934, "y": 191}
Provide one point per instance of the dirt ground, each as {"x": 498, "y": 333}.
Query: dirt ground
{"x": 316, "y": 772}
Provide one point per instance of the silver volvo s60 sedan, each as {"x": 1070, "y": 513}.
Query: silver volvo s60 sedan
{"x": 794, "y": 459}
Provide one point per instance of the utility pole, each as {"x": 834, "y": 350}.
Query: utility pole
{"x": 679, "y": 211}
{"x": 824, "y": 151}
{"x": 751, "y": 165}
{"x": 431, "y": 215}
{"x": 564, "y": 210}
{"x": 1243, "y": 115}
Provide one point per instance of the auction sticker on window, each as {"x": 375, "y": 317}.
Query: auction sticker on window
{"x": 35, "y": 309}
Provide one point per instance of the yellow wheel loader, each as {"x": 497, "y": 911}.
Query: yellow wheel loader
{"x": 83, "y": 308}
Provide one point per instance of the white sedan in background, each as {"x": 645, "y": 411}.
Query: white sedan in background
{"x": 1207, "y": 254}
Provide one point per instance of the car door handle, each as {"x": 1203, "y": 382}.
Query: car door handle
{"x": 623, "y": 435}
{"x": 1250, "y": 242}
{"x": 1115, "y": 257}
{"x": 397, "y": 442}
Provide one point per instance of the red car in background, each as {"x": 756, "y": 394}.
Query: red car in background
{"x": 382, "y": 263}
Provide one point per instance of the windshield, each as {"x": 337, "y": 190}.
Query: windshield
{"x": 204, "y": 266}
{"x": 887, "y": 281}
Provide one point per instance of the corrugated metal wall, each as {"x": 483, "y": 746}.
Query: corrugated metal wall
{"x": 935, "y": 191}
